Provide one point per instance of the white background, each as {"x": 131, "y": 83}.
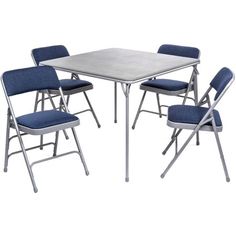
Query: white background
{"x": 193, "y": 199}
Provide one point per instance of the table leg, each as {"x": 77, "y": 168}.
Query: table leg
{"x": 196, "y": 97}
{"x": 115, "y": 102}
{"x": 126, "y": 90}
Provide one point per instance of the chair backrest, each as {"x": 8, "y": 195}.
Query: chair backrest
{"x": 48, "y": 53}
{"x": 30, "y": 79}
{"x": 221, "y": 80}
{"x": 181, "y": 51}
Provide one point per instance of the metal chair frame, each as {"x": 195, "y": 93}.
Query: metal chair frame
{"x": 56, "y": 93}
{"x": 192, "y": 86}
{"x": 202, "y": 125}
{"x": 22, "y": 130}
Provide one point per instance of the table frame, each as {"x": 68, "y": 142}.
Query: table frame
{"x": 126, "y": 85}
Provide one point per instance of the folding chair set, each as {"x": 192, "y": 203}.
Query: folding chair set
{"x": 44, "y": 80}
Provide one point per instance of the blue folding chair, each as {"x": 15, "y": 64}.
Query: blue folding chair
{"x": 37, "y": 123}
{"x": 199, "y": 118}
{"x": 171, "y": 87}
{"x": 69, "y": 86}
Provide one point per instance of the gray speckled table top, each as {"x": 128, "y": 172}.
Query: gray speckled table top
{"x": 121, "y": 65}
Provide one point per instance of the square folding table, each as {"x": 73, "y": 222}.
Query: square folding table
{"x": 122, "y": 66}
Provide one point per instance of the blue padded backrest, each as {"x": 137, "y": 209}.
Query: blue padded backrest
{"x": 30, "y": 79}
{"x": 220, "y": 80}
{"x": 48, "y": 53}
{"x": 181, "y": 51}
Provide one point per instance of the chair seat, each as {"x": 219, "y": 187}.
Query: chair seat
{"x": 44, "y": 119}
{"x": 190, "y": 114}
{"x": 166, "y": 84}
{"x": 69, "y": 84}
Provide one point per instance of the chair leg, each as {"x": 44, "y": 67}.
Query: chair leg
{"x": 94, "y": 115}
{"x": 222, "y": 156}
{"x": 139, "y": 109}
{"x": 55, "y": 144}
{"x": 60, "y": 108}
{"x": 173, "y": 137}
{"x": 178, "y": 154}
{"x": 80, "y": 151}
{"x": 67, "y": 100}
{"x": 27, "y": 162}
{"x": 196, "y": 102}
{"x": 159, "y": 105}
{"x": 7, "y": 143}
{"x": 36, "y": 101}
{"x": 42, "y": 109}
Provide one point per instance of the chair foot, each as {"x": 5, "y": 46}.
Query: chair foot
{"x": 198, "y": 143}
{"x": 133, "y": 127}
{"x": 99, "y": 126}
{"x": 115, "y": 121}
{"x": 164, "y": 152}
{"x": 227, "y": 179}
{"x": 5, "y": 169}
{"x": 127, "y": 179}
{"x": 35, "y": 190}
{"x": 162, "y": 176}
{"x": 87, "y": 173}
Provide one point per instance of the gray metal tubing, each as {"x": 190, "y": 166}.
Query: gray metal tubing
{"x": 7, "y": 141}
{"x": 51, "y": 158}
{"x": 42, "y": 109}
{"x": 189, "y": 86}
{"x": 20, "y": 140}
{"x": 63, "y": 101}
{"x": 139, "y": 109}
{"x": 187, "y": 97}
{"x": 153, "y": 112}
{"x": 80, "y": 151}
{"x": 126, "y": 90}
{"x": 60, "y": 108}
{"x": 195, "y": 86}
{"x": 36, "y": 101}
{"x": 27, "y": 163}
{"x": 31, "y": 148}
{"x": 64, "y": 131}
{"x": 51, "y": 101}
{"x": 220, "y": 149}
{"x": 67, "y": 100}
{"x": 94, "y": 115}
{"x": 174, "y": 135}
{"x": 56, "y": 143}
{"x": 202, "y": 100}
{"x": 15, "y": 136}
{"x": 79, "y": 112}
{"x": 46, "y": 98}
{"x": 75, "y": 136}
{"x": 159, "y": 105}
{"x": 179, "y": 152}
{"x": 115, "y": 102}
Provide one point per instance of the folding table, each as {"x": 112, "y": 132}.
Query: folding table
{"x": 122, "y": 66}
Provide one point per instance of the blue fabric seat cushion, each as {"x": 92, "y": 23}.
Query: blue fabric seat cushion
{"x": 190, "y": 114}
{"x": 44, "y": 119}
{"x": 166, "y": 84}
{"x": 68, "y": 84}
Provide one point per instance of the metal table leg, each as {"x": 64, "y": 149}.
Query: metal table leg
{"x": 126, "y": 90}
{"x": 115, "y": 102}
